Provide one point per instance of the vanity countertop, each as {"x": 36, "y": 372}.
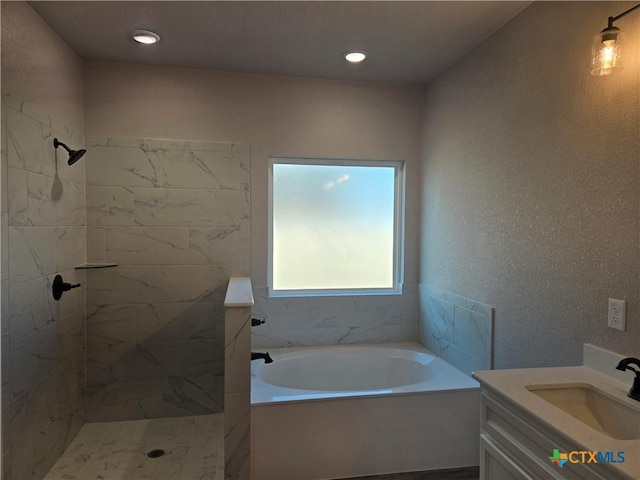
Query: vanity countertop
{"x": 511, "y": 384}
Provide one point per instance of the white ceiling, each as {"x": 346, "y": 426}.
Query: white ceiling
{"x": 408, "y": 42}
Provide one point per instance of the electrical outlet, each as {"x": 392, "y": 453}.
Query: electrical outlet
{"x": 617, "y": 314}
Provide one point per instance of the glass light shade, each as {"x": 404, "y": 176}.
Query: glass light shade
{"x": 606, "y": 53}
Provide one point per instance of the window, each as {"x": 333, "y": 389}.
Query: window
{"x": 335, "y": 226}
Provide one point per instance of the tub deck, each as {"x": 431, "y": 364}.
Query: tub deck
{"x": 442, "y": 377}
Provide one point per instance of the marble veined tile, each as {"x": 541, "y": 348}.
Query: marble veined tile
{"x": 4, "y": 248}
{"x": 440, "y": 318}
{"x": 127, "y": 285}
{"x": 157, "y": 361}
{"x": 236, "y": 435}
{"x": 187, "y": 207}
{"x": 31, "y": 308}
{"x": 52, "y": 201}
{"x": 4, "y": 306}
{"x": 237, "y": 350}
{"x": 344, "y": 311}
{"x": 96, "y": 364}
{"x": 38, "y": 251}
{"x": 30, "y": 144}
{"x": 457, "y": 300}
{"x": 458, "y": 329}
{"x": 200, "y": 395}
{"x": 152, "y": 144}
{"x": 123, "y": 167}
{"x": 109, "y": 206}
{"x": 11, "y": 100}
{"x": 203, "y": 169}
{"x": 70, "y": 247}
{"x": 111, "y": 324}
{"x": 17, "y": 197}
{"x": 122, "y": 363}
{"x": 164, "y": 322}
{"x": 117, "y": 450}
{"x": 3, "y": 158}
{"x": 459, "y": 358}
{"x": 149, "y": 284}
{"x": 205, "y": 357}
{"x": 219, "y": 245}
{"x": 32, "y": 459}
{"x": 174, "y": 397}
{"x": 96, "y": 244}
{"x": 289, "y": 337}
{"x": 32, "y": 252}
{"x": 14, "y": 102}
{"x": 163, "y": 164}
{"x": 344, "y": 320}
{"x": 195, "y": 283}
{"x": 141, "y": 245}
{"x": 28, "y": 413}
{"x": 472, "y": 332}
{"x": 32, "y": 358}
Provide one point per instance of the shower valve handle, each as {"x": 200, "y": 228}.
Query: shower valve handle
{"x": 60, "y": 286}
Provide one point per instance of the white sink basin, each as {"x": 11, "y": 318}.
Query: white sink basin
{"x": 593, "y": 407}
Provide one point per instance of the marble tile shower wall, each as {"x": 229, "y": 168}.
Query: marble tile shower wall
{"x": 43, "y": 234}
{"x": 174, "y": 216}
{"x": 458, "y": 329}
{"x": 305, "y": 321}
{"x": 4, "y": 287}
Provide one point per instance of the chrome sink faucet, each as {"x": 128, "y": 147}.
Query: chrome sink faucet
{"x": 625, "y": 365}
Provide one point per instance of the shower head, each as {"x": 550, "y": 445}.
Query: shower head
{"x": 74, "y": 155}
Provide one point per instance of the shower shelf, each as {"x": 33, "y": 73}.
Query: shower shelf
{"x": 88, "y": 266}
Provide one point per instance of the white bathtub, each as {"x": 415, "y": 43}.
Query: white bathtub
{"x": 347, "y": 411}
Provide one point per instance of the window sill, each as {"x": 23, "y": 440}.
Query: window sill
{"x": 336, "y": 293}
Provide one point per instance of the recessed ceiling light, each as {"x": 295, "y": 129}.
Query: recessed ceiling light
{"x": 355, "y": 56}
{"x": 145, "y": 36}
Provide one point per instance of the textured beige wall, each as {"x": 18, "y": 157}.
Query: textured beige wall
{"x": 39, "y": 67}
{"x": 531, "y": 184}
{"x": 274, "y": 115}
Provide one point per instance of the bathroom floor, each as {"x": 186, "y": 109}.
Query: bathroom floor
{"x": 193, "y": 449}
{"x": 467, "y": 473}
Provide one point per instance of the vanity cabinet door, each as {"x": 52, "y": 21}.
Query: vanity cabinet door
{"x": 495, "y": 464}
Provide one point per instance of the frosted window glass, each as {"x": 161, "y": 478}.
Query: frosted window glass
{"x": 333, "y": 227}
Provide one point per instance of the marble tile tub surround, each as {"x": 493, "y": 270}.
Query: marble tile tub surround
{"x": 458, "y": 329}
{"x": 174, "y": 216}
{"x": 43, "y": 234}
{"x": 339, "y": 320}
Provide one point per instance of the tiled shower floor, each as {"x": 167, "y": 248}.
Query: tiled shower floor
{"x": 118, "y": 450}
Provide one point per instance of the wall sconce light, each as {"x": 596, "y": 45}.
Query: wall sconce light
{"x": 606, "y": 53}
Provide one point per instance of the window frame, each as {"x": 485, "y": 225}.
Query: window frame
{"x": 398, "y": 226}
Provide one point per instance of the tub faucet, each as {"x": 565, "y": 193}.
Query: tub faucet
{"x": 624, "y": 365}
{"x": 255, "y": 321}
{"x": 264, "y": 356}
